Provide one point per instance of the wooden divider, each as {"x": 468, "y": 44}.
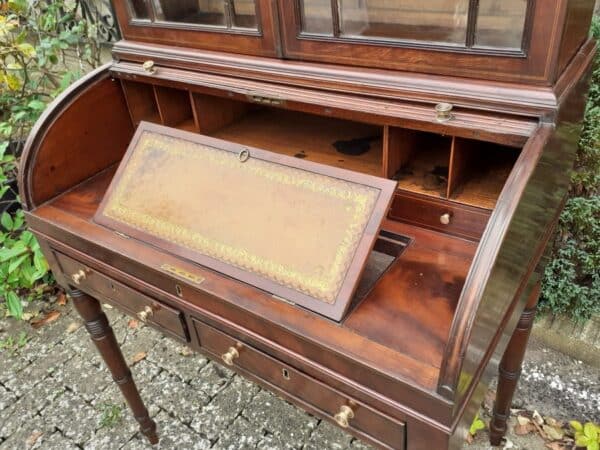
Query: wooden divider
{"x": 141, "y": 102}
{"x": 175, "y": 108}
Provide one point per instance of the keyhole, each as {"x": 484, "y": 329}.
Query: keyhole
{"x": 285, "y": 373}
{"x": 178, "y": 290}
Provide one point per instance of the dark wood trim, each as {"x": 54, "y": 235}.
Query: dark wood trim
{"x": 501, "y": 97}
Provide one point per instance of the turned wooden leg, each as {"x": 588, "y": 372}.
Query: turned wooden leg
{"x": 102, "y": 334}
{"x": 510, "y": 369}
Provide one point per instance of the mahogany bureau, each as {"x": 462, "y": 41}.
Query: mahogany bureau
{"x": 347, "y": 202}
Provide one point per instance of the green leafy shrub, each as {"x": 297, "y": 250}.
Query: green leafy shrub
{"x": 571, "y": 282}
{"x": 44, "y": 46}
{"x": 586, "y": 436}
{"x": 572, "y": 278}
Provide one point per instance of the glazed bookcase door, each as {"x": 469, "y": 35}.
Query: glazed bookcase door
{"x": 475, "y": 38}
{"x": 239, "y": 26}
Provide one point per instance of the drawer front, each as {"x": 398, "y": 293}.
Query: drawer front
{"x": 388, "y": 432}
{"x": 162, "y": 316}
{"x": 441, "y": 215}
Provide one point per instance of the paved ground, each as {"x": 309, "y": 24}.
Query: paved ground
{"x": 56, "y": 394}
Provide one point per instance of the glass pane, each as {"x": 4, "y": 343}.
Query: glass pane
{"x": 203, "y": 12}
{"x": 414, "y": 20}
{"x": 139, "y": 9}
{"x": 316, "y": 17}
{"x": 501, "y": 23}
{"x": 244, "y": 13}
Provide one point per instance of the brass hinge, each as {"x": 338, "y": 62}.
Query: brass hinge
{"x": 182, "y": 273}
{"x": 263, "y": 100}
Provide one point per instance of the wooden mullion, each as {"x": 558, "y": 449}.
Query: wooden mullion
{"x": 229, "y": 14}
{"x": 527, "y": 25}
{"x": 335, "y": 18}
{"x": 472, "y": 22}
{"x": 151, "y": 10}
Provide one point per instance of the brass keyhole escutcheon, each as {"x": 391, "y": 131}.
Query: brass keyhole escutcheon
{"x": 445, "y": 219}
{"x": 145, "y": 314}
{"x": 344, "y": 415}
{"x": 149, "y": 67}
{"x": 285, "y": 374}
{"x": 231, "y": 354}
{"x": 244, "y": 155}
{"x": 79, "y": 276}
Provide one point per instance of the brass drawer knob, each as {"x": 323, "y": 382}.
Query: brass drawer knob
{"x": 343, "y": 416}
{"x": 145, "y": 314}
{"x": 445, "y": 218}
{"x": 149, "y": 67}
{"x": 443, "y": 112}
{"x": 79, "y": 276}
{"x": 231, "y": 354}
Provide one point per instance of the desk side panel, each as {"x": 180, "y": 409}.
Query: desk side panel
{"x": 82, "y": 132}
{"x": 504, "y": 294}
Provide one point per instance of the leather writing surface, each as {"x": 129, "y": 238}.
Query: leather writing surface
{"x": 294, "y": 227}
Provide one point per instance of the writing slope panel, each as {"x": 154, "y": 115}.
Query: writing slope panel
{"x": 299, "y": 230}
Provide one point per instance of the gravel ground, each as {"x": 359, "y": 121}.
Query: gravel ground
{"x": 56, "y": 394}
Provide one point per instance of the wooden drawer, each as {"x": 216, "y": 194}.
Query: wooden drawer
{"x": 163, "y": 317}
{"x": 367, "y": 423}
{"x": 441, "y": 215}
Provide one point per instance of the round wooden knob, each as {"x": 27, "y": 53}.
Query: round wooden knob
{"x": 445, "y": 219}
{"x": 145, "y": 314}
{"x": 148, "y": 67}
{"x": 344, "y": 415}
{"x": 79, "y": 276}
{"x": 443, "y": 112}
{"x": 230, "y": 355}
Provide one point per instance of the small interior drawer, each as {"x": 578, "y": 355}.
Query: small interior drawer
{"x": 441, "y": 215}
{"x": 162, "y": 316}
{"x": 385, "y": 431}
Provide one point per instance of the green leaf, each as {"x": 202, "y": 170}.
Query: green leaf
{"x": 589, "y": 429}
{"x": 12, "y": 82}
{"x": 476, "y": 425}
{"x": 9, "y": 253}
{"x": 581, "y": 440}
{"x": 14, "y": 66}
{"x": 3, "y": 147}
{"x": 15, "y": 263}
{"x": 6, "y": 221}
{"x": 38, "y": 105}
{"x": 18, "y": 5}
{"x": 26, "y": 50}
{"x": 576, "y": 425}
{"x": 13, "y": 302}
{"x": 595, "y": 445}
{"x": 40, "y": 263}
{"x": 26, "y": 237}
